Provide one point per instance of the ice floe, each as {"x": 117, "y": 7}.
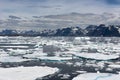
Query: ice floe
{"x": 12, "y": 59}
{"x": 55, "y": 58}
{"x": 25, "y": 73}
{"x": 97, "y": 56}
{"x": 17, "y": 52}
{"x": 114, "y": 66}
{"x": 97, "y": 76}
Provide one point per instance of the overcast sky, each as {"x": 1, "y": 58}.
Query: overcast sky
{"x": 26, "y": 14}
{"x": 51, "y": 7}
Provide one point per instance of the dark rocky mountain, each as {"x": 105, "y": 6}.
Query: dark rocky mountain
{"x": 9, "y": 33}
{"x": 91, "y": 30}
{"x": 73, "y": 31}
{"x": 102, "y": 30}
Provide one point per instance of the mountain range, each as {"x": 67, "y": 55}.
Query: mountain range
{"x": 92, "y": 30}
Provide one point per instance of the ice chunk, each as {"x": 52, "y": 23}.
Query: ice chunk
{"x": 97, "y": 76}
{"x": 25, "y": 73}
{"x": 7, "y": 58}
{"x": 97, "y": 56}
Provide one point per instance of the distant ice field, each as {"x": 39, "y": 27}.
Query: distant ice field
{"x": 99, "y": 48}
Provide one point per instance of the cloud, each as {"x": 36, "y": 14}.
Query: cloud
{"x": 60, "y": 13}
{"x": 59, "y": 21}
{"x": 112, "y": 2}
{"x": 44, "y": 6}
{"x": 14, "y": 17}
{"x": 49, "y": 7}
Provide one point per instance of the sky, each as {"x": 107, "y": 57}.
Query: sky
{"x": 44, "y": 14}
{"x": 53, "y": 7}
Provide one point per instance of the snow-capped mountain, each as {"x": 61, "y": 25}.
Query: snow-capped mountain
{"x": 91, "y": 30}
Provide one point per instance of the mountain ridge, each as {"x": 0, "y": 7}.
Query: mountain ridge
{"x": 91, "y": 30}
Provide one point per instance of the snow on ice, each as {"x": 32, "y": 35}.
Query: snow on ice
{"x": 25, "y": 73}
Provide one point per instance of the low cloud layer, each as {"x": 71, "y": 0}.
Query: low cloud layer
{"x": 58, "y": 21}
